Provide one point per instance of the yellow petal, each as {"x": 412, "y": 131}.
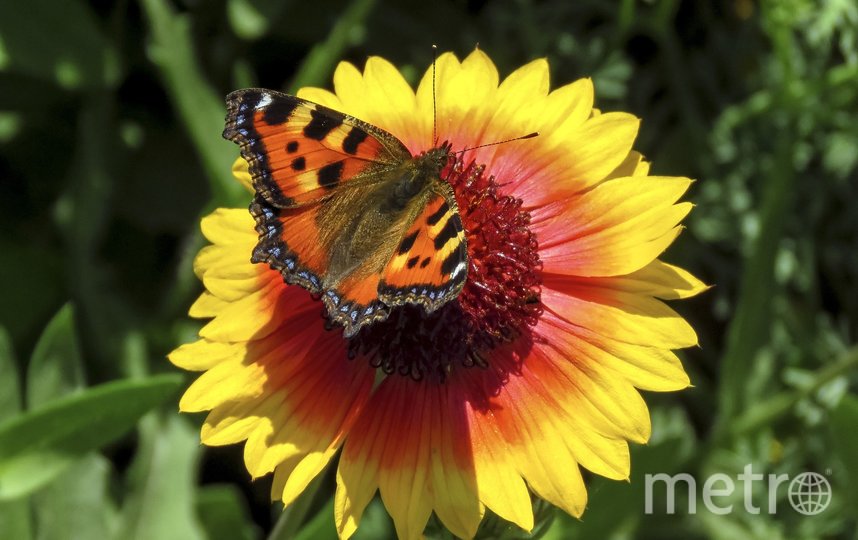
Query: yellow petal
{"x": 225, "y": 382}
{"x": 500, "y": 486}
{"x": 454, "y": 487}
{"x": 349, "y": 87}
{"x": 322, "y": 97}
{"x": 540, "y": 454}
{"x": 230, "y": 255}
{"x": 567, "y": 107}
{"x": 235, "y": 421}
{"x": 403, "y": 481}
{"x": 357, "y": 475}
{"x": 257, "y": 442}
{"x": 388, "y": 100}
{"x": 605, "y": 456}
{"x": 463, "y": 117}
{"x": 624, "y": 317}
{"x": 232, "y": 283}
{"x": 229, "y": 226}
{"x": 609, "y": 405}
{"x": 447, "y": 68}
{"x": 658, "y": 279}
{"x": 204, "y": 354}
{"x": 304, "y": 472}
{"x": 615, "y": 228}
{"x": 241, "y": 173}
{"x": 595, "y": 148}
{"x": 207, "y": 305}
{"x": 355, "y": 488}
{"x": 633, "y": 165}
{"x": 647, "y": 368}
{"x": 519, "y": 102}
{"x": 250, "y": 318}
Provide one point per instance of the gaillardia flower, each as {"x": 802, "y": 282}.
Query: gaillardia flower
{"x": 529, "y": 374}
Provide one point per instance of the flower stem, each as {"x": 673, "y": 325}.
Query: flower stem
{"x": 319, "y": 63}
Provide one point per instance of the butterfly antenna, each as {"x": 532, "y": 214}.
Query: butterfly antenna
{"x": 434, "y": 108}
{"x": 528, "y": 136}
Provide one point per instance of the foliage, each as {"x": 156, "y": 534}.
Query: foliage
{"x": 110, "y": 120}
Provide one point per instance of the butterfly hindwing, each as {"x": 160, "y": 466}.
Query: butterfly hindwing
{"x": 289, "y": 242}
{"x": 300, "y": 152}
{"x": 424, "y": 262}
{"x": 430, "y": 263}
{"x": 317, "y": 247}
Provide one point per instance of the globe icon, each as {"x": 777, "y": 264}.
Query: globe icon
{"x": 809, "y": 493}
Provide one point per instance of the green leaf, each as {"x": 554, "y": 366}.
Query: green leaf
{"x": 375, "y": 522}
{"x": 14, "y": 515}
{"x": 777, "y": 406}
{"x": 843, "y": 421}
{"x": 162, "y": 481}
{"x": 251, "y": 19}
{"x": 224, "y": 515}
{"x": 15, "y": 519}
{"x": 200, "y": 108}
{"x": 321, "y": 527}
{"x": 749, "y": 329}
{"x": 37, "y": 446}
{"x": 293, "y": 517}
{"x": 58, "y": 41}
{"x": 55, "y": 368}
{"x": 10, "y": 382}
{"x": 77, "y": 504}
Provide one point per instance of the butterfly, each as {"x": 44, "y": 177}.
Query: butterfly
{"x": 345, "y": 210}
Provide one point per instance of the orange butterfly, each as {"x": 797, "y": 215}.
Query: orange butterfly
{"x": 344, "y": 210}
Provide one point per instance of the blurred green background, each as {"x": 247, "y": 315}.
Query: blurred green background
{"x": 110, "y": 151}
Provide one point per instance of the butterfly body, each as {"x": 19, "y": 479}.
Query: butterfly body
{"x": 344, "y": 210}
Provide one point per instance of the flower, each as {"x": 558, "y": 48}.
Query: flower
{"x": 531, "y": 372}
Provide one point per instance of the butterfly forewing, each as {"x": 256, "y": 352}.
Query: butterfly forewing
{"x": 300, "y": 152}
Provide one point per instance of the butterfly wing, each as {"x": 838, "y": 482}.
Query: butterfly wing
{"x": 289, "y": 241}
{"x": 322, "y": 179}
{"x": 310, "y": 246}
{"x": 430, "y": 264}
{"x": 422, "y": 260}
{"x": 300, "y": 152}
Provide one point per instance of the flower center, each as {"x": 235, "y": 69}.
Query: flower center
{"x": 499, "y": 302}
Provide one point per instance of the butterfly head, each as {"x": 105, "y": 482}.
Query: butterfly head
{"x": 436, "y": 159}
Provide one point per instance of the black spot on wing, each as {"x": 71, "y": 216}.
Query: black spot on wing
{"x": 453, "y": 259}
{"x": 448, "y": 232}
{"x": 412, "y": 262}
{"x": 438, "y": 214}
{"x": 330, "y": 174}
{"x": 353, "y": 140}
{"x": 278, "y": 111}
{"x": 292, "y": 147}
{"x": 408, "y": 242}
{"x": 425, "y": 262}
{"x": 323, "y": 121}
{"x": 299, "y": 164}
